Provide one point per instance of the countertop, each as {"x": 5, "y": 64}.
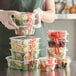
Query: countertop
{"x": 71, "y": 71}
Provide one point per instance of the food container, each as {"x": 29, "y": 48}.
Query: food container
{"x": 33, "y": 64}
{"x": 24, "y": 40}
{"x": 58, "y": 53}
{"x": 57, "y": 34}
{"x": 23, "y": 43}
{"x": 22, "y": 65}
{"x": 61, "y": 43}
{"x": 25, "y": 55}
{"x": 64, "y": 63}
{"x": 20, "y": 48}
{"x": 16, "y": 64}
{"x": 27, "y": 30}
{"x": 24, "y": 19}
{"x": 47, "y": 64}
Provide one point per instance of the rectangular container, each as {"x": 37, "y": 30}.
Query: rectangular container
{"x": 27, "y": 30}
{"x": 61, "y": 43}
{"x": 47, "y": 64}
{"x": 64, "y": 63}
{"x": 23, "y": 43}
{"x": 59, "y": 54}
{"x": 57, "y": 34}
{"x": 22, "y": 65}
{"x": 24, "y": 19}
{"x": 25, "y": 55}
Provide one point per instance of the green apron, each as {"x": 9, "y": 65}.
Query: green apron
{"x": 23, "y": 6}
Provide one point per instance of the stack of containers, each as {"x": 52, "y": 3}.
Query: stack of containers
{"x": 57, "y": 40}
{"x": 24, "y": 48}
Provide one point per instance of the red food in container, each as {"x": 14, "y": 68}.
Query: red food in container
{"x": 47, "y": 64}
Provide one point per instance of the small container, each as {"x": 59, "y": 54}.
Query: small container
{"x": 58, "y": 53}
{"x": 47, "y": 64}
{"x": 16, "y": 64}
{"x": 25, "y": 55}
{"x": 27, "y": 30}
{"x": 23, "y": 43}
{"x": 24, "y": 19}
{"x": 61, "y": 43}
{"x": 57, "y": 34}
{"x": 64, "y": 63}
{"x": 22, "y": 65}
{"x": 33, "y": 64}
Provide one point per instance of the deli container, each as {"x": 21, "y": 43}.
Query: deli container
{"x": 16, "y": 64}
{"x": 23, "y": 43}
{"x": 24, "y": 19}
{"x": 59, "y": 53}
{"x": 57, "y": 34}
{"x": 25, "y": 55}
{"x": 27, "y": 30}
{"x": 64, "y": 63}
{"x": 22, "y": 65}
{"x": 47, "y": 64}
{"x": 60, "y": 43}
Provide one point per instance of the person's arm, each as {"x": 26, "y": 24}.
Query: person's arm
{"x": 49, "y": 13}
{"x": 5, "y": 18}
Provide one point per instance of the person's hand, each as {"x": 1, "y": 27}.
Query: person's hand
{"x": 6, "y": 19}
{"x": 38, "y": 15}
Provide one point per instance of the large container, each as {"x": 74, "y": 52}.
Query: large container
{"x": 27, "y": 30}
{"x": 47, "y": 64}
{"x": 59, "y": 53}
{"x": 23, "y": 43}
{"x": 57, "y": 34}
{"x": 25, "y": 55}
{"x": 22, "y": 65}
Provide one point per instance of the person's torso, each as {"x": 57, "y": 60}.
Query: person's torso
{"x": 21, "y": 5}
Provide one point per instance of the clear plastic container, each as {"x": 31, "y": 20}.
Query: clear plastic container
{"x": 24, "y": 40}
{"x": 25, "y": 55}
{"x": 22, "y": 65}
{"x": 24, "y": 19}
{"x": 27, "y": 30}
{"x": 23, "y": 43}
{"x": 16, "y": 64}
{"x": 58, "y": 53}
{"x": 47, "y": 64}
{"x": 61, "y": 43}
{"x": 64, "y": 63}
{"x": 20, "y": 48}
{"x": 57, "y": 34}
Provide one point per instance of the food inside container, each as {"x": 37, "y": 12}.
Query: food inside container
{"x": 33, "y": 64}
{"x": 27, "y": 30}
{"x": 20, "y": 48}
{"x": 23, "y": 43}
{"x": 53, "y": 43}
{"x": 25, "y": 55}
{"x": 22, "y": 65}
{"x": 24, "y": 19}
{"x": 47, "y": 64}
{"x": 24, "y": 40}
{"x": 57, "y": 34}
{"x": 64, "y": 63}
{"x": 16, "y": 64}
{"x": 59, "y": 53}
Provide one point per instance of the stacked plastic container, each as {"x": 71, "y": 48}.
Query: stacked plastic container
{"x": 57, "y": 40}
{"x": 24, "y": 48}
